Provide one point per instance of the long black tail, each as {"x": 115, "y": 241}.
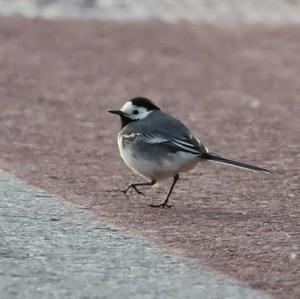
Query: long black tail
{"x": 218, "y": 159}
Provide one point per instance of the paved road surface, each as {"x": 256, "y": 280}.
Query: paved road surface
{"x": 51, "y": 249}
{"x": 217, "y": 11}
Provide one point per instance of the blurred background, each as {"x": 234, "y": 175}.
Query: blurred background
{"x": 251, "y": 11}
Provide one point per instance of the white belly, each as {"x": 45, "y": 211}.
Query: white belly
{"x": 158, "y": 168}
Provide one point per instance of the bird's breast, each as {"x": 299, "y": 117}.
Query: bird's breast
{"x": 151, "y": 162}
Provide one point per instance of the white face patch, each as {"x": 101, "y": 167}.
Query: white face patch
{"x": 135, "y": 112}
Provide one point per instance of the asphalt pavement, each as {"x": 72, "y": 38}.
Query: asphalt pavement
{"x": 217, "y": 11}
{"x": 51, "y": 249}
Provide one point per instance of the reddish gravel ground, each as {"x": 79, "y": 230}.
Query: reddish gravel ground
{"x": 238, "y": 88}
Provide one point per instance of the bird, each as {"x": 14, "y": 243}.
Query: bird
{"x": 157, "y": 146}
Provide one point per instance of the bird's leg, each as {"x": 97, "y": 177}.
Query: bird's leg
{"x": 164, "y": 204}
{"x": 134, "y": 187}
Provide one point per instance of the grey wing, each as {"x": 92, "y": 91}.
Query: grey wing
{"x": 188, "y": 144}
{"x": 162, "y": 129}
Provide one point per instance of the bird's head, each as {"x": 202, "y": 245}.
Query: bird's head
{"x": 135, "y": 109}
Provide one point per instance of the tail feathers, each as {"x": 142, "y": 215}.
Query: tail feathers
{"x": 221, "y": 160}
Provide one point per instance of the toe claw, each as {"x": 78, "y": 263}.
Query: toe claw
{"x": 161, "y": 205}
{"x": 129, "y": 187}
{"x": 124, "y": 191}
{"x": 138, "y": 191}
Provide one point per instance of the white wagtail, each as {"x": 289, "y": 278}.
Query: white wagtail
{"x": 156, "y": 146}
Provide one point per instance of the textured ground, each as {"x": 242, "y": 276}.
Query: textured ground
{"x": 236, "y": 87}
{"x": 51, "y": 249}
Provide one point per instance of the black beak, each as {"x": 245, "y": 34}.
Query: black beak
{"x": 118, "y": 112}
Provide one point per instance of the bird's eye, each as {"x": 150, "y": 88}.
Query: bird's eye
{"x": 135, "y": 112}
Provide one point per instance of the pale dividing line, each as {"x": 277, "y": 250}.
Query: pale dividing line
{"x": 197, "y": 11}
{"x": 51, "y": 249}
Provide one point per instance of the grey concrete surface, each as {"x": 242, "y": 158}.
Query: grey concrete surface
{"x": 51, "y": 249}
{"x": 249, "y": 11}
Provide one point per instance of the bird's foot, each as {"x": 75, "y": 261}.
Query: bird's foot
{"x": 161, "y": 205}
{"x": 132, "y": 186}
